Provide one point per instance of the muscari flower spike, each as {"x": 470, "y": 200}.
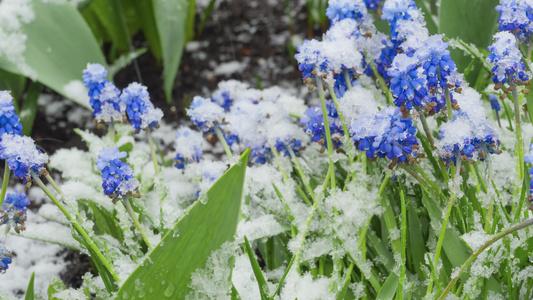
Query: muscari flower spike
{"x": 117, "y": 176}
{"x": 13, "y": 211}
{"x": 373, "y": 4}
{"x": 188, "y": 146}
{"x": 9, "y": 121}
{"x": 396, "y": 10}
{"x": 407, "y": 83}
{"x": 346, "y": 9}
{"x": 516, "y": 17}
{"x": 507, "y": 60}
{"x": 5, "y": 258}
{"x": 140, "y": 111}
{"x": 434, "y": 57}
{"x": 94, "y": 78}
{"x": 386, "y": 134}
{"x": 22, "y": 157}
{"x": 314, "y": 124}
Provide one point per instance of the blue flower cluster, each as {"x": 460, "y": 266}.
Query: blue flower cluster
{"x": 516, "y": 17}
{"x": 494, "y": 104}
{"x": 386, "y": 134}
{"x": 109, "y": 105}
{"x": 140, "y": 110}
{"x": 22, "y": 156}
{"x": 313, "y": 122}
{"x": 507, "y": 60}
{"x": 13, "y": 211}
{"x": 529, "y": 159}
{"x": 117, "y": 176}
{"x": 396, "y": 10}
{"x": 5, "y": 258}
{"x": 9, "y": 121}
{"x": 345, "y": 9}
{"x": 434, "y": 57}
{"x": 407, "y": 83}
{"x": 373, "y": 4}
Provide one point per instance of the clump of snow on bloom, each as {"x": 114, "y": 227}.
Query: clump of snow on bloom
{"x": 139, "y": 109}
{"x": 9, "y": 121}
{"x": 189, "y": 145}
{"x": 23, "y": 158}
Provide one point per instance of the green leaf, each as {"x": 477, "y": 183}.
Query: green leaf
{"x": 417, "y": 245}
{"x": 389, "y": 287}
{"x": 110, "y": 14}
{"x": 261, "y": 281}
{"x": 57, "y": 52}
{"x": 104, "y": 221}
{"x": 56, "y": 285}
{"x": 124, "y": 60}
{"x": 171, "y": 20}
{"x": 472, "y": 21}
{"x": 186, "y": 248}
{"x": 145, "y": 12}
{"x": 30, "y": 293}
{"x": 14, "y": 83}
{"x": 29, "y": 108}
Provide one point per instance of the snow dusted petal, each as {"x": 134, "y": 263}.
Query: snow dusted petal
{"x": 204, "y": 113}
{"x": 507, "y": 60}
{"x": 9, "y": 121}
{"x": 13, "y": 211}
{"x": 117, "y": 176}
{"x": 140, "y": 110}
{"x": 189, "y": 145}
{"x": 23, "y": 158}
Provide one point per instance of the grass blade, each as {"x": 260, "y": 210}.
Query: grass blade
{"x": 261, "y": 281}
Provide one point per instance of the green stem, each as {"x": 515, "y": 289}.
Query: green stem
{"x": 78, "y": 228}
{"x": 448, "y": 103}
{"x": 223, "y": 141}
{"x": 344, "y": 125}
{"x": 127, "y": 204}
{"x": 328, "y": 133}
{"x": 348, "y": 79}
{"x": 519, "y": 142}
{"x": 487, "y": 244}
{"x": 280, "y": 163}
{"x": 152, "y": 151}
{"x": 382, "y": 83}
{"x": 404, "y": 242}
{"x": 7, "y": 173}
{"x": 444, "y": 224}
{"x": 111, "y": 131}
{"x": 302, "y": 175}
{"x": 418, "y": 178}
{"x": 161, "y": 189}
{"x": 426, "y": 127}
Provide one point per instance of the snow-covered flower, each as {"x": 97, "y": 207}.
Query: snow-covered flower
{"x": 434, "y": 57}
{"x": 507, "y": 60}
{"x": 139, "y": 109}
{"x": 346, "y": 9}
{"x": 9, "y": 121}
{"x": 117, "y": 176}
{"x": 23, "y": 158}
{"x": 110, "y": 109}
{"x": 516, "y": 17}
{"x": 386, "y": 134}
{"x": 313, "y": 122}
{"x": 5, "y": 258}
{"x": 94, "y": 78}
{"x": 13, "y": 211}
{"x": 188, "y": 147}
{"x": 494, "y": 104}
{"x": 205, "y": 114}
{"x": 407, "y": 83}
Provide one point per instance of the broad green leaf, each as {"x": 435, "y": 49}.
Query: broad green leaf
{"x": 472, "y": 21}
{"x": 30, "y": 293}
{"x": 58, "y": 51}
{"x": 123, "y": 61}
{"x": 388, "y": 290}
{"x": 171, "y": 20}
{"x": 261, "y": 281}
{"x": 14, "y": 83}
{"x": 29, "y": 108}
{"x": 56, "y": 285}
{"x": 186, "y": 248}
{"x": 145, "y": 12}
{"x": 417, "y": 244}
{"x": 104, "y": 221}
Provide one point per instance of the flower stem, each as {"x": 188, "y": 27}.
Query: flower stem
{"x": 7, "y": 173}
{"x": 426, "y": 127}
{"x": 381, "y": 82}
{"x": 78, "y": 228}
{"x": 111, "y": 131}
{"x": 487, "y": 244}
{"x": 280, "y": 163}
{"x": 348, "y": 80}
{"x": 302, "y": 175}
{"x": 328, "y": 133}
{"x": 449, "y": 108}
{"x": 444, "y": 224}
{"x": 152, "y": 151}
{"x": 127, "y": 204}
{"x": 344, "y": 125}
{"x": 221, "y": 138}
{"x": 519, "y": 142}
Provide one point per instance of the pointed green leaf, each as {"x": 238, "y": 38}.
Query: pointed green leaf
{"x": 186, "y": 248}
{"x": 30, "y": 293}
{"x": 261, "y": 281}
{"x": 14, "y": 83}
{"x": 58, "y": 53}
{"x": 56, "y": 285}
{"x": 388, "y": 290}
{"x": 171, "y": 19}
{"x": 145, "y": 12}
{"x": 417, "y": 245}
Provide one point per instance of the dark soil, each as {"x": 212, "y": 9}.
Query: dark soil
{"x": 254, "y": 32}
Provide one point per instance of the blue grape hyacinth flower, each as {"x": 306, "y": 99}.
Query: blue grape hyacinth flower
{"x": 434, "y": 57}
{"x": 386, "y": 134}
{"x": 22, "y": 156}
{"x": 407, "y": 82}
{"x": 140, "y": 111}
{"x": 314, "y": 124}
{"x": 516, "y": 17}
{"x": 5, "y": 258}
{"x": 117, "y": 176}
{"x": 13, "y": 211}
{"x": 9, "y": 121}
{"x": 94, "y": 78}
{"x": 507, "y": 60}
{"x": 529, "y": 159}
